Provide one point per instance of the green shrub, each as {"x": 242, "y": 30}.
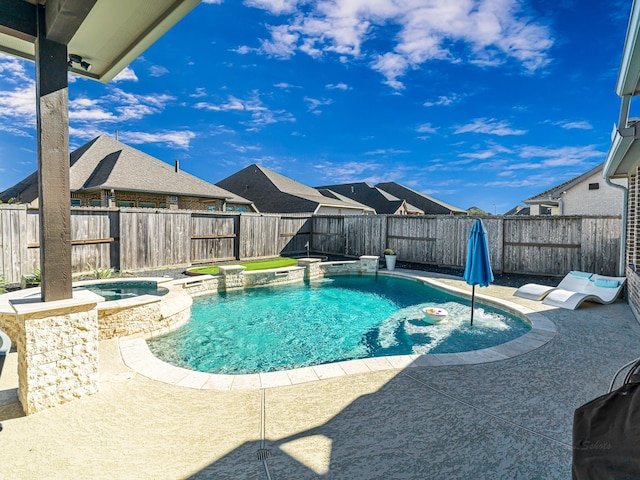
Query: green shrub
{"x": 99, "y": 273}
{"x": 33, "y": 279}
{"x": 3, "y": 285}
{"x": 389, "y": 251}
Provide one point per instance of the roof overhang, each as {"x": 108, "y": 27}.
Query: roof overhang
{"x": 624, "y": 153}
{"x": 108, "y": 34}
{"x": 629, "y": 75}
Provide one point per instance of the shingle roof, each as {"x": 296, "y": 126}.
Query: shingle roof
{"x": 426, "y": 203}
{"x": 383, "y": 202}
{"x": 275, "y": 193}
{"x": 554, "y": 193}
{"x": 105, "y": 163}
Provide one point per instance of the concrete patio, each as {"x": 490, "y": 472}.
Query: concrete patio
{"x": 506, "y": 419}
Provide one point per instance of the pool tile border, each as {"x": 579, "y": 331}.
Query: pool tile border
{"x": 137, "y": 355}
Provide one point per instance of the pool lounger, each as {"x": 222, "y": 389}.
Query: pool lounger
{"x": 600, "y": 289}
{"x": 5, "y": 343}
{"x": 573, "y": 281}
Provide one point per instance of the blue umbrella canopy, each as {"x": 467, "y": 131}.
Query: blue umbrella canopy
{"x": 478, "y": 268}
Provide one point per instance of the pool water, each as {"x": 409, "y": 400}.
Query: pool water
{"x": 121, "y": 290}
{"x": 339, "y": 318}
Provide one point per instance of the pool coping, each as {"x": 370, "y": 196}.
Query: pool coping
{"x": 136, "y": 353}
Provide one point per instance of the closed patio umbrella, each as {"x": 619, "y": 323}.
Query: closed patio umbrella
{"x": 478, "y": 268}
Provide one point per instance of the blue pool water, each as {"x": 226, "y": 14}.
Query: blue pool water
{"x": 339, "y": 318}
{"x": 120, "y": 290}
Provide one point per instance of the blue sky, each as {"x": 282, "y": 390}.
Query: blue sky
{"x": 475, "y": 102}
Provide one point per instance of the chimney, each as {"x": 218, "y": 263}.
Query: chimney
{"x": 177, "y": 165}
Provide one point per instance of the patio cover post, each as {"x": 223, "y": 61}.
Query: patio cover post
{"x": 52, "y": 118}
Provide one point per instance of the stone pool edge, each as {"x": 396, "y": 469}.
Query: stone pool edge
{"x": 137, "y": 356}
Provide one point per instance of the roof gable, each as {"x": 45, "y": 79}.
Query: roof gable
{"x": 273, "y": 192}
{"x": 105, "y": 164}
{"x": 554, "y": 193}
{"x": 424, "y": 202}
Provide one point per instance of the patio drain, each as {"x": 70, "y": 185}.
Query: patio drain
{"x": 263, "y": 453}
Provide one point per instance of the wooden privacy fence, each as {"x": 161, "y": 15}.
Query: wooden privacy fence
{"x": 137, "y": 239}
{"x": 548, "y": 245}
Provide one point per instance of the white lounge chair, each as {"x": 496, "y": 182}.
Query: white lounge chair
{"x": 5, "y": 343}
{"x": 600, "y": 289}
{"x": 573, "y": 281}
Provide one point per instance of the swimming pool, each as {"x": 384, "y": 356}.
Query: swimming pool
{"x": 123, "y": 289}
{"x": 339, "y": 318}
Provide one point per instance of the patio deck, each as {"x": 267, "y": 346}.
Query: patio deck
{"x": 506, "y": 419}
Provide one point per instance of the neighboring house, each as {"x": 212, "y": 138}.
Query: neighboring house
{"x": 519, "y": 210}
{"x": 429, "y": 205}
{"x": 586, "y": 194}
{"x": 383, "y": 202}
{"x": 272, "y": 192}
{"x": 107, "y": 173}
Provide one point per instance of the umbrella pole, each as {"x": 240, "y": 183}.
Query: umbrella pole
{"x": 473, "y": 297}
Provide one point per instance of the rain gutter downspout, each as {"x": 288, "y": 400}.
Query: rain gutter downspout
{"x": 623, "y": 120}
{"x": 623, "y": 231}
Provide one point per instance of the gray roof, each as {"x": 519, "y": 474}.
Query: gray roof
{"x": 105, "y": 163}
{"x": 519, "y": 210}
{"x": 383, "y": 202}
{"x": 428, "y": 204}
{"x": 274, "y": 193}
{"x": 553, "y": 194}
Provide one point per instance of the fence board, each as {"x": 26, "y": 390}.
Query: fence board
{"x": 259, "y": 236}
{"x": 327, "y": 233}
{"x": 213, "y": 237}
{"x": 13, "y": 242}
{"x": 294, "y": 233}
{"x": 153, "y": 239}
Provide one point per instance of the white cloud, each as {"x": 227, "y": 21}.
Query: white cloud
{"x": 481, "y": 32}
{"x": 170, "y": 138}
{"x": 286, "y": 85}
{"x": 337, "y": 86}
{"x": 575, "y": 125}
{"x": 212, "y": 2}
{"x": 118, "y": 106}
{"x": 261, "y": 115}
{"x": 387, "y": 151}
{"x": 282, "y": 44}
{"x": 558, "y": 157}
{"x": 157, "y": 71}
{"x": 426, "y": 128}
{"x": 444, "y": 100}
{"x": 315, "y": 104}
{"x": 243, "y": 50}
{"x": 126, "y": 75}
{"x": 18, "y": 106}
{"x": 277, "y": 7}
{"x": 489, "y": 126}
{"x": 351, "y": 171}
{"x": 13, "y": 70}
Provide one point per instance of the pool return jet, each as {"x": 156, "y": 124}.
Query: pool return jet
{"x": 478, "y": 268}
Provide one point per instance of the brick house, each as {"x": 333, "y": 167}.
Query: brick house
{"x": 108, "y": 173}
{"x": 623, "y": 158}
{"x": 586, "y": 194}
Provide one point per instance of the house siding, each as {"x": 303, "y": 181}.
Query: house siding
{"x": 606, "y": 200}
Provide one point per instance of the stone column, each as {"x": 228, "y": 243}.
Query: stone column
{"x": 233, "y": 276}
{"x": 369, "y": 264}
{"x": 312, "y": 267}
{"x": 57, "y": 350}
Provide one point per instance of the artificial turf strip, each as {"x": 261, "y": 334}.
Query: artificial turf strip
{"x": 256, "y": 265}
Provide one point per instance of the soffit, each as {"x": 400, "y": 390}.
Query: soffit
{"x": 112, "y": 35}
